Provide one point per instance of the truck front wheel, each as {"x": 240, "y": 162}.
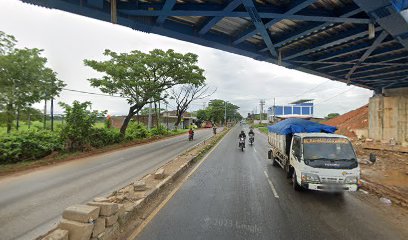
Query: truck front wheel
{"x": 289, "y": 171}
{"x": 295, "y": 184}
{"x": 274, "y": 162}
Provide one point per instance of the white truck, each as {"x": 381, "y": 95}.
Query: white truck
{"x": 313, "y": 156}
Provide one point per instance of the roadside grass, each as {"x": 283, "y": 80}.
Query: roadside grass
{"x": 263, "y": 129}
{"x": 39, "y": 125}
{"x": 62, "y": 156}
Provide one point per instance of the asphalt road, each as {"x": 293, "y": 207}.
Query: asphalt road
{"x": 240, "y": 195}
{"x": 31, "y": 204}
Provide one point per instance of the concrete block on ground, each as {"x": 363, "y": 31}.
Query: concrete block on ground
{"x": 81, "y": 213}
{"x": 58, "y": 234}
{"x": 101, "y": 235}
{"x": 127, "y": 190}
{"x": 139, "y": 185}
{"x": 77, "y": 230}
{"x": 99, "y": 227}
{"x": 121, "y": 210}
{"x": 111, "y": 232}
{"x": 159, "y": 174}
{"x": 101, "y": 199}
{"x": 106, "y": 208}
{"x": 111, "y": 220}
{"x": 129, "y": 207}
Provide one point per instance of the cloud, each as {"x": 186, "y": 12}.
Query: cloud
{"x": 69, "y": 39}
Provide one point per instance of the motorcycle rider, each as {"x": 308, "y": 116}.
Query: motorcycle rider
{"x": 242, "y": 134}
{"x": 191, "y": 133}
{"x": 251, "y": 134}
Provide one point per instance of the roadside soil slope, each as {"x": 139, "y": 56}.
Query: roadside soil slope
{"x": 389, "y": 174}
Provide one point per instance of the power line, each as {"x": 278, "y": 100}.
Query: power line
{"x": 325, "y": 100}
{"x": 91, "y": 93}
{"x": 313, "y": 88}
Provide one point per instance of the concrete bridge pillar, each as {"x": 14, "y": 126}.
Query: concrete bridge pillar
{"x": 388, "y": 116}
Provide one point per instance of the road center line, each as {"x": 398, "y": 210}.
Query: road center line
{"x": 270, "y": 184}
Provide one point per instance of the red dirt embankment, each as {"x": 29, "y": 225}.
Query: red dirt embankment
{"x": 346, "y": 123}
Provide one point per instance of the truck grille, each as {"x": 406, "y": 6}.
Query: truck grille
{"x": 332, "y": 180}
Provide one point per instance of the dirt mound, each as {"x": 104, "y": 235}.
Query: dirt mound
{"x": 348, "y": 122}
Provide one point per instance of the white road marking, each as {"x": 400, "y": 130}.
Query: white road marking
{"x": 140, "y": 228}
{"x": 270, "y": 184}
{"x": 255, "y": 149}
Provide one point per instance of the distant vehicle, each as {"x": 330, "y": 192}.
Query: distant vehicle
{"x": 207, "y": 124}
{"x": 313, "y": 156}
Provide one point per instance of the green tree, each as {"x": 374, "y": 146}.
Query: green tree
{"x": 24, "y": 78}
{"x": 78, "y": 129}
{"x": 332, "y": 115}
{"x": 216, "y": 111}
{"x": 27, "y": 114}
{"x": 7, "y": 43}
{"x": 141, "y": 78}
{"x": 202, "y": 115}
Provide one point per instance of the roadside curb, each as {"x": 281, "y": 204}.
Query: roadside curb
{"x": 130, "y": 212}
{"x": 169, "y": 179}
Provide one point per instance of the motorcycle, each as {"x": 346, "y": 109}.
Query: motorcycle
{"x": 251, "y": 139}
{"x": 242, "y": 143}
{"x": 190, "y": 136}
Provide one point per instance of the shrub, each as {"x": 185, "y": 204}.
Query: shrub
{"x": 28, "y": 145}
{"x": 161, "y": 130}
{"x": 136, "y": 131}
{"x": 104, "y": 136}
{"x": 79, "y": 125}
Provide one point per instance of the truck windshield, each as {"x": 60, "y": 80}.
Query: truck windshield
{"x": 329, "y": 152}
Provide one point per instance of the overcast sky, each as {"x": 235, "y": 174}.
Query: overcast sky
{"x": 68, "y": 39}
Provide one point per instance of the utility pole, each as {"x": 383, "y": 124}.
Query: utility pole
{"x": 52, "y": 114}
{"x": 225, "y": 114}
{"x": 167, "y": 117}
{"x": 29, "y": 117}
{"x": 261, "y": 103}
{"x": 52, "y": 109}
{"x": 274, "y": 107}
{"x": 45, "y": 113}
{"x": 149, "y": 120}
{"x": 158, "y": 118}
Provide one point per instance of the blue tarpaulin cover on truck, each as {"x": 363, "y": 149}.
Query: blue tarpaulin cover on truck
{"x": 296, "y": 125}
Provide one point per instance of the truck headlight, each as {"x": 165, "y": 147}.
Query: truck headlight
{"x": 351, "y": 180}
{"x": 310, "y": 178}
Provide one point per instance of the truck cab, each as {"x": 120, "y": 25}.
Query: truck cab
{"x": 323, "y": 162}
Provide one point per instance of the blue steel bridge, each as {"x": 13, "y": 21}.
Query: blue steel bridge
{"x": 358, "y": 42}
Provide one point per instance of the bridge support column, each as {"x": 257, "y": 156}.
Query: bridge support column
{"x": 388, "y": 116}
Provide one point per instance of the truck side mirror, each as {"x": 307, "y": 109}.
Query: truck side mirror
{"x": 373, "y": 157}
